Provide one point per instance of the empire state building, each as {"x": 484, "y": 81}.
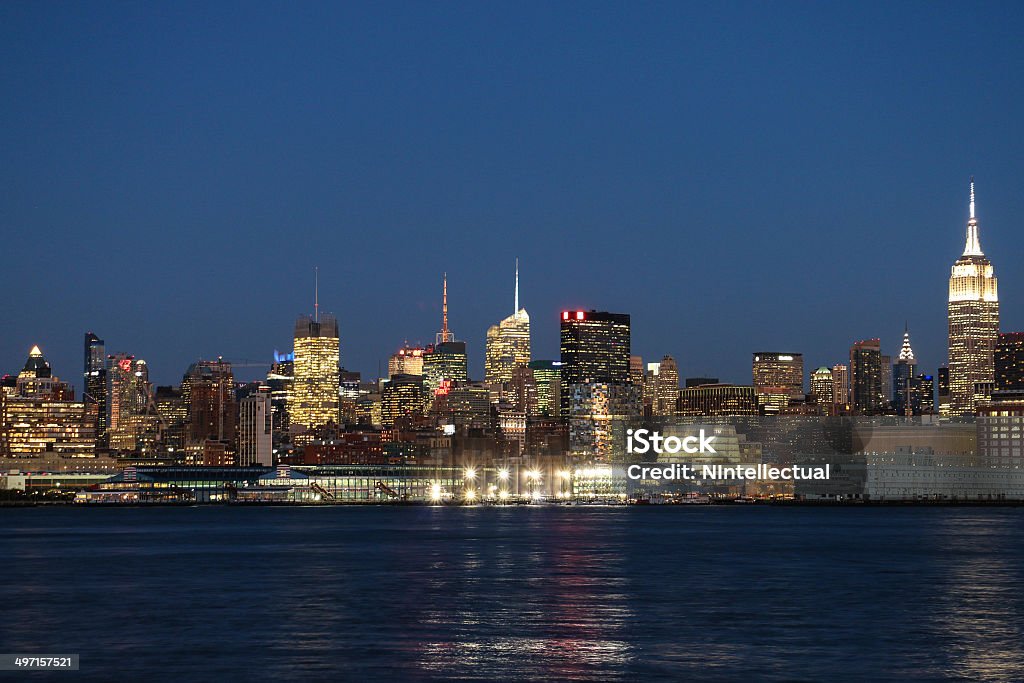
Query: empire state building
{"x": 973, "y": 323}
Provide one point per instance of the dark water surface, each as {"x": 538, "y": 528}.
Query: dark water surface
{"x": 388, "y": 593}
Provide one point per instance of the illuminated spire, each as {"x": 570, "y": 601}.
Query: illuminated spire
{"x": 906, "y": 353}
{"x": 35, "y": 352}
{"x": 444, "y": 335}
{"x": 973, "y": 246}
{"x": 972, "y": 196}
{"x": 516, "y": 309}
{"x": 316, "y": 294}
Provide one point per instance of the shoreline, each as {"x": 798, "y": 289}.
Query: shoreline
{"x": 723, "y": 503}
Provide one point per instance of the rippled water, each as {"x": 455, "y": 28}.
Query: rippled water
{"x": 715, "y": 593}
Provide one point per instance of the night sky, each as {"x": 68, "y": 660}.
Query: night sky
{"x": 737, "y": 176}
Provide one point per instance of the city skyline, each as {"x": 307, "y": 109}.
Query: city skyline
{"x": 720, "y": 155}
{"x": 256, "y": 368}
{"x": 972, "y": 244}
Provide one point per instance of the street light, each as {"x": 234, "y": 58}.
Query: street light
{"x": 534, "y": 476}
{"x": 503, "y": 474}
{"x": 470, "y": 473}
{"x": 566, "y": 476}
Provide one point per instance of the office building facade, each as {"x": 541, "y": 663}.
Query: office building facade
{"x": 256, "y": 429}
{"x": 778, "y": 378}
{"x": 867, "y": 397}
{"x": 316, "y": 391}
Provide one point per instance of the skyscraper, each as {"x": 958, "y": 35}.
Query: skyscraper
{"x": 408, "y": 360}
{"x": 255, "y": 429}
{"x": 927, "y": 391}
{"x": 170, "y": 406}
{"x": 443, "y": 364}
{"x": 315, "y": 400}
{"x": 649, "y": 386}
{"x": 973, "y": 321}
{"x": 942, "y": 380}
{"x": 667, "y": 391}
{"x": 95, "y": 386}
{"x": 595, "y": 347}
{"x": 508, "y": 343}
{"x": 446, "y": 361}
{"x": 316, "y": 387}
{"x": 598, "y": 395}
{"x": 841, "y": 385}
{"x": 1009, "y": 362}
{"x": 866, "y": 376}
{"x": 524, "y": 391}
{"x": 36, "y": 379}
{"x": 598, "y": 413}
{"x": 636, "y": 369}
{"x": 887, "y": 391}
{"x": 906, "y": 390}
{"x": 823, "y": 388}
{"x": 778, "y": 378}
{"x": 715, "y": 400}
{"x": 132, "y": 412}
{"x": 40, "y": 416}
{"x": 208, "y": 391}
{"x": 548, "y": 376}
{"x": 402, "y": 397}
{"x": 350, "y": 384}
{"x": 281, "y": 380}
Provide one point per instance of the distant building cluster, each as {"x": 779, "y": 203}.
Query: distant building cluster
{"x": 568, "y": 412}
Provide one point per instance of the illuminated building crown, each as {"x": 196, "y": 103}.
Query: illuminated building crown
{"x": 973, "y": 245}
{"x": 906, "y": 353}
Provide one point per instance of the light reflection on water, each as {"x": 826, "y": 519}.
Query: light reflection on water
{"x": 520, "y": 594}
{"x": 529, "y": 596}
{"x": 980, "y": 601}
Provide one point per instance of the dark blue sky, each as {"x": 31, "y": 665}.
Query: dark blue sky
{"x": 737, "y": 176}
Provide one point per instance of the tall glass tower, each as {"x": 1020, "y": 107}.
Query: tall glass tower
{"x": 973, "y": 323}
{"x": 508, "y": 343}
{"x": 315, "y": 399}
{"x": 95, "y": 372}
{"x": 866, "y": 392}
{"x": 316, "y": 387}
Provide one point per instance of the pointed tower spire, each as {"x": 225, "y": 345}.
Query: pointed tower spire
{"x": 973, "y": 245}
{"x": 444, "y": 335}
{"x": 516, "y": 310}
{"x": 906, "y": 353}
{"x": 316, "y": 294}
{"x": 972, "y": 196}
